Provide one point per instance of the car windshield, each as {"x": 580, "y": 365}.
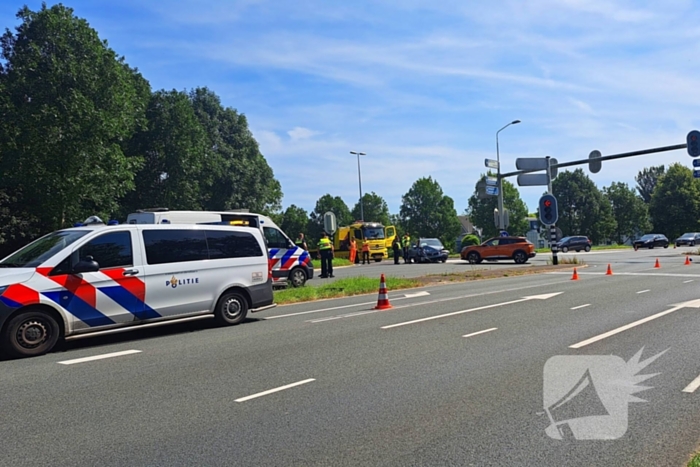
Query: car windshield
{"x": 431, "y": 242}
{"x": 565, "y": 239}
{"x": 688, "y": 235}
{"x": 647, "y": 237}
{"x": 34, "y": 254}
{"x": 372, "y": 233}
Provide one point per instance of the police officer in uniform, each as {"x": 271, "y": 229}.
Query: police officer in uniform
{"x": 301, "y": 242}
{"x": 325, "y": 248}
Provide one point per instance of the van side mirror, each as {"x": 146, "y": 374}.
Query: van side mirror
{"x": 87, "y": 265}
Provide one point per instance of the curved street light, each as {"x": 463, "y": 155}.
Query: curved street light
{"x": 501, "y": 214}
{"x": 359, "y": 178}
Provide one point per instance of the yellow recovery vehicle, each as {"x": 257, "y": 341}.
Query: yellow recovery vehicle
{"x": 380, "y": 239}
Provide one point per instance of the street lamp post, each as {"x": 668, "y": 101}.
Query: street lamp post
{"x": 501, "y": 214}
{"x": 359, "y": 178}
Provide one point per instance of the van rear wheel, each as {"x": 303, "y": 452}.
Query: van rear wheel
{"x": 231, "y": 309}
{"x": 29, "y": 334}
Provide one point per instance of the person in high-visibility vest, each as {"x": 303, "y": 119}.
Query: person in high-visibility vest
{"x": 406, "y": 245}
{"x": 396, "y": 245}
{"x": 365, "y": 252}
{"x": 301, "y": 242}
{"x": 353, "y": 249}
{"x": 325, "y": 248}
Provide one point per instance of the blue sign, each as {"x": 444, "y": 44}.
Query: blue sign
{"x": 696, "y": 173}
{"x": 504, "y": 233}
{"x": 492, "y": 190}
{"x": 696, "y": 162}
{"x": 491, "y": 181}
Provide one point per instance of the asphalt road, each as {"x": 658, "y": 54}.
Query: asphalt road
{"x": 450, "y": 375}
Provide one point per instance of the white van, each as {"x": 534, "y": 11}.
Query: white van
{"x": 101, "y": 279}
{"x": 289, "y": 263}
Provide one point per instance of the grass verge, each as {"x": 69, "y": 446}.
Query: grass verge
{"x": 480, "y": 274}
{"x": 336, "y": 262}
{"x": 341, "y": 288}
{"x": 594, "y": 248}
{"x": 695, "y": 461}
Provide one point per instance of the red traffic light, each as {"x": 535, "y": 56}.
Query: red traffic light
{"x": 547, "y": 203}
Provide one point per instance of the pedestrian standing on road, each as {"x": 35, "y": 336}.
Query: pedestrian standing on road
{"x": 396, "y": 245}
{"x": 353, "y": 249}
{"x": 325, "y": 248}
{"x": 406, "y": 245}
{"x": 365, "y": 252}
{"x": 301, "y": 242}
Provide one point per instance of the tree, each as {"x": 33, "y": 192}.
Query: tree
{"x": 583, "y": 210}
{"x": 675, "y": 204}
{"x": 629, "y": 210}
{"x": 294, "y": 221}
{"x": 480, "y": 211}
{"x": 427, "y": 212}
{"x": 69, "y": 106}
{"x": 324, "y": 204}
{"x": 374, "y": 207}
{"x": 646, "y": 181}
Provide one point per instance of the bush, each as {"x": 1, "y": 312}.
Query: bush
{"x": 470, "y": 239}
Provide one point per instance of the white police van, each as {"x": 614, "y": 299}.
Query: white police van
{"x": 100, "y": 279}
{"x": 289, "y": 263}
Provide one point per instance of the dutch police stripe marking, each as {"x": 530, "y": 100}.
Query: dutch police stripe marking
{"x": 285, "y": 258}
{"x": 10, "y": 303}
{"x": 99, "y": 357}
{"x": 129, "y": 302}
{"x": 78, "y": 308}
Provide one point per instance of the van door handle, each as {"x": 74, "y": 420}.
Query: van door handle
{"x": 130, "y": 272}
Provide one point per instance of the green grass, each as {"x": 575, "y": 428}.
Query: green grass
{"x": 341, "y": 288}
{"x": 695, "y": 461}
{"x": 336, "y": 262}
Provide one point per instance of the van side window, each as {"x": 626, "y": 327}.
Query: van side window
{"x": 175, "y": 246}
{"x": 111, "y": 250}
{"x": 232, "y": 245}
{"x": 275, "y": 238}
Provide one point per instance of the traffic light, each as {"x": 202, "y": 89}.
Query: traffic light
{"x": 549, "y": 212}
{"x": 693, "y": 141}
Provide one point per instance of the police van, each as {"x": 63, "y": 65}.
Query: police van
{"x": 101, "y": 279}
{"x": 290, "y": 264}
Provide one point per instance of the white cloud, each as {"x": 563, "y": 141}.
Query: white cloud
{"x": 301, "y": 133}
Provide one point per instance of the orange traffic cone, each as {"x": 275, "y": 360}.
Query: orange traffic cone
{"x": 575, "y": 276}
{"x": 609, "y": 272}
{"x": 687, "y": 260}
{"x": 657, "y": 265}
{"x": 383, "y": 300}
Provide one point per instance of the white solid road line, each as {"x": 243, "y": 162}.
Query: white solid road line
{"x": 417, "y": 294}
{"x": 99, "y": 357}
{"x": 581, "y": 306}
{"x": 430, "y": 318}
{"x": 688, "y": 282}
{"x": 271, "y": 391}
{"x": 643, "y": 291}
{"x": 479, "y": 332}
{"x": 650, "y": 274}
{"x": 690, "y": 304}
{"x": 693, "y": 385}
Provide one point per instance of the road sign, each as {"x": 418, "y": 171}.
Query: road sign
{"x": 492, "y": 181}
{"x": 491, "y": 164}
{"x": 533, "y": 180}
{"x": 531, "y": 163}
{"x": 595, "y": 165}
{"x": 329, "y": 223}
{"x": 693, "y": 141}
{"x": 549, "y": 212}
{"x": 504, "y": 233}
{"x": 555, "y": 170}
{"x": 696, "y": 173}
{"x": 492, "y": 190}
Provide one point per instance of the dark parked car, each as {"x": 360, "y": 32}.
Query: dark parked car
{"x": 651, "y": 241}
{"x": 690, "y": 239}
{"x": 428, "y": 250}
{"x": 578, "y": 243}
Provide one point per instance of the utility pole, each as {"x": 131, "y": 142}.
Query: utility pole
{"x": 552, "y": 227}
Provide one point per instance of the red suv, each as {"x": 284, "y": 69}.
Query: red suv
{"x": 519, "y": 249}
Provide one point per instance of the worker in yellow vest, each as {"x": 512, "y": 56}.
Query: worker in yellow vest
{"x": 406, "y": 240}
{"x": 325, "y": 248}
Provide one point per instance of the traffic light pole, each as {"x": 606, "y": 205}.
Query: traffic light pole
{"x": 552, "y": 228}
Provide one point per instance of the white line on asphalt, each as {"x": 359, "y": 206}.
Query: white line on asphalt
{"x": 417, "y": 294}
{"x": 690, "y": 304}
{"x": 99, "y": 357}
{"x": 581, "y": 306}
{"x": 693, "y": 385}
{"x": 281, "y": 388}
{"x": 660, "y": 274}
{"x": 430, "y": 318}
{"x": 479, "y": 332}
{"x": 643, "y": 291}
{"x": 688, "y": 282}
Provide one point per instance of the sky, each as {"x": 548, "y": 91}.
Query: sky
{"x": 422, "y": 87}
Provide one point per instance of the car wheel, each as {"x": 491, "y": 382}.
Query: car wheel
{"x": 690, "y": 244}
{"x": 578, "y": 251}
{"x": 666, "y": 245}
{"x": 520, "y": 257}
{"x": 588, "y": 248}
{"x": 564, "y": 249}
{"x": 232, "y": 308}
{"x": 444, "y": 260}
{"x": 474, "y": 257}
{"x": 30, "y": 333}
{"x": 297, "y": 278}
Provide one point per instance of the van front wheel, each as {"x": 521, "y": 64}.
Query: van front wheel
{"x": 232, "y": 308}
{"x": 29, "y": 334}
{"x": 297, "y": 278}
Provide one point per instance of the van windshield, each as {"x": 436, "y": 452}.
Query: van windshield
{"x": 34, "y": 254}
{"x": 375, "y": 233}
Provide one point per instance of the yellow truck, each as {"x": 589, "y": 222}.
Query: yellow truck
{"x": 379, "y": 238}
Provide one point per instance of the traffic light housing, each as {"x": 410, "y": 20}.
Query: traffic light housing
{"x": 549, "y": 211}
{"x": 693, "y": 141}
